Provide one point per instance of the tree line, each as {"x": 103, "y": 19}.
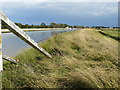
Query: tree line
{"x": 57, "y": 25}
{"x": 54, "y": 25}
{"x": 43, "y": 25}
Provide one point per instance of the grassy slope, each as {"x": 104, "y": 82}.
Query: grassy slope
{"x": 80, "y": 59}
{"x": 0, "y": 43}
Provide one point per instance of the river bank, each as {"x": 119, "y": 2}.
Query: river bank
{"x": 36, "y": 29}
{"x": 81, "y": 59}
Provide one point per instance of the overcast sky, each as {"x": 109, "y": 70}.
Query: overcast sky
{"x": 72, "y": 13}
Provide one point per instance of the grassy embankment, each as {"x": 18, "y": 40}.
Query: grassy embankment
{"x": 0, "y": 44}
{"x": 81, "y": 59}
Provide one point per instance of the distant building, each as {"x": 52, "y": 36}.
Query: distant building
{"x": 68, "y": 28}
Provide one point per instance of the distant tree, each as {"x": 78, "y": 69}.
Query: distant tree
{"x": 53, "y": 25}
{"x": 116, "y": 27}
{"x": 32, "y": 26}
{"x": 43, "y": 25}
{"x": 47, "y": 26}
{"x": 19, "y": 25}
{"x": 26, "y": 25}
{"x": 64, "y": 25}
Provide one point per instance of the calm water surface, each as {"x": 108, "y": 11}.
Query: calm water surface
{"x": 12, "y": 45}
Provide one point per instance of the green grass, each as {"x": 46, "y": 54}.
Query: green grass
{"x": 0, "y": 44}
{"x": 81, "y": 59}
{"x": 112, "y": 32}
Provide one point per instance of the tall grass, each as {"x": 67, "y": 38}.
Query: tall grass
{"x": 81, "y": 59}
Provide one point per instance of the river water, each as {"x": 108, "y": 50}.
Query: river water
{"x": 12, "y": 45}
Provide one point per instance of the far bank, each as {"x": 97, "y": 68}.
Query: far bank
{"x": 37, "y": 29}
